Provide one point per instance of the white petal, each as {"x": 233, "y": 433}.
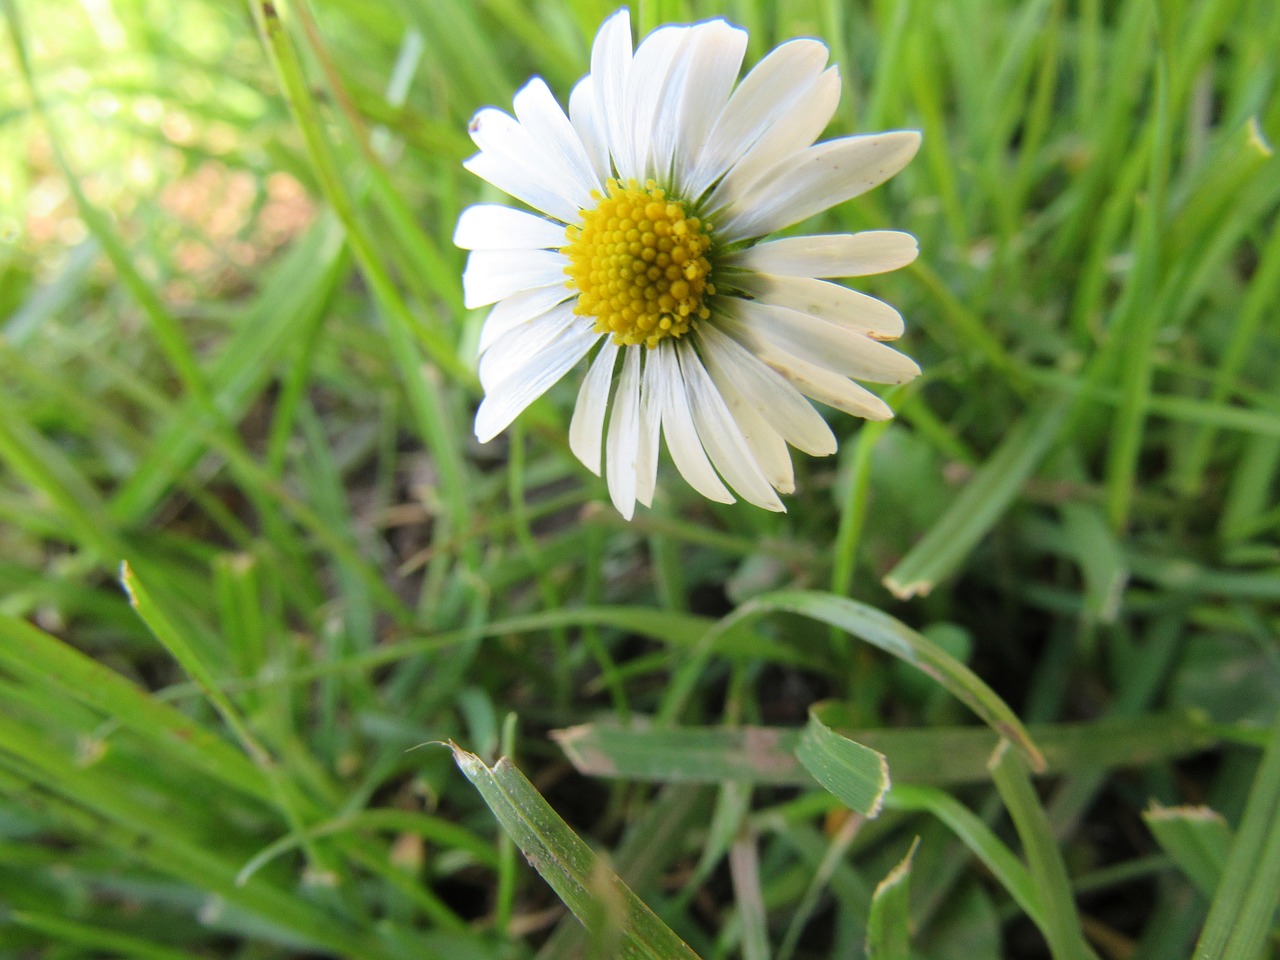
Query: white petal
{"x": 492, "y": 275}
{"x": 542, "y": 116}
{"x": 765, "y": 444}
{"x": 491, "y": 226}
{"x": 837, "y": 349}
{"x": 650, "y": 421}
{"x": 518, "y": 179}
{"x": 776, "y": 400}
{"x": 517, "y": 309}
{"x": 586, "y": 429}
{"x": 766, "y": 94}
{"x": 820, "y": 177}
{"x": 720, "y": 435}
{"x": 678, "y": 428}
{"x": 510, "y": 354}
{"x": 830, "y": 255}
{"x": 610, "y": 66}
{"x": 624, "y": 436}
{"x": 513, "y": 396}
{"x": 708, "y": 71}
{"x": 646, "y": 88}
{"x": 519, "y": 154}
{"x": 584, "y": 113}
{"x": 830, "y": 301}
{"x": 788, "y": 136}
{"x": 811, "y": 380}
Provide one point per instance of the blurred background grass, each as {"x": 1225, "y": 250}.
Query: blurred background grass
{"x": 233, "y": 355}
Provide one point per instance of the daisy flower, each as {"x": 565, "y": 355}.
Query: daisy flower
{"x": 645, "y": 255}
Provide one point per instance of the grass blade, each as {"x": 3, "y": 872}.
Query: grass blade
{"x": 890, "y": 635}
{"x": 889, "y": 925}
{"x": 1198, "y": 839}
{"x": 856, "y": 774}
{"x": 1246, "y": 900}
{"x": 576, "y": 874}
{"x": 981, "y": 504}
{"x": 1061, "y": 926}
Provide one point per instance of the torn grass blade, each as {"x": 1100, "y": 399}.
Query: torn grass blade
{"x": 1197, "y": 839}
{"x": 889, "y": 925}
{"x": 858, "y": 775}
{"x": 586, "y": 885}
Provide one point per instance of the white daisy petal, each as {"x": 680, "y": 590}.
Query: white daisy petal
{"x": 820, "y": 177}
{"x": 807, "y": 117}
{"x": 707, "y": 75}
{"x": 517, "y": 309}
{"x": 831, "y": 388}
{"x": 767, "y": 93}
{"x": 510, "y": 353}
{"x": 830, "y": 255}
{"x": 508, "y": 174}
{"x": 491, "y": 226}
{"x": 520, "y": 153}
{"x": 650, "y": 422}
{"x": 767, "y": 447}
{"x": 720, "y": 435}
{"x": 539, "y": 113}
{"x": 679, "y": 430}
{"x": 781, "y": 405}
{"x": 622, "y": 446}
{"x": 839, "y": 350}
{"x": 812, "y": 380}
{"x": 492, "y": 275}
{"x": 504, "y": 403}
{"x": 586, "y": 429}
{"x": 646, "y": 88}
{"x": 584, "y": 114}
{"x": 830, "y": 301}
{"x": 610, "y": 66}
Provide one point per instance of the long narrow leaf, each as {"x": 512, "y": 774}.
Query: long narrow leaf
{"x": 576, "y": 874}
{"x": 856, "y": 774}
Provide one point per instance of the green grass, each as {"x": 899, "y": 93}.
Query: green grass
{"x": 255, "y": 570}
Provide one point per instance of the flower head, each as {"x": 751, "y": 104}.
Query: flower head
{"x": 653, "y": 195}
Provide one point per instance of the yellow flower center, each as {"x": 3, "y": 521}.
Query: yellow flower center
{"x": 639, "y": 262}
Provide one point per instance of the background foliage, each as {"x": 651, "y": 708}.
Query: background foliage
{"x": 233, "y": 357}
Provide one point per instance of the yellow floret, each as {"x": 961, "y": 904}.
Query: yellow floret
{"x": 639, "y": 263}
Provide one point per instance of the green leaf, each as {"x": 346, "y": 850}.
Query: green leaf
{"x": 896, "y": 638}
{"x": 933, "y": 755}
{"x": 888, "y": 926}
{"x": 980, "y": 505}
{"x": 583, "y": 881}
{"x": 1197, "y": 838}
{"x": 1247, "y": 897}
{"x": 1061, "y": 923}
{"x": 978, "y": 837}
{"x": 856, "y": 774}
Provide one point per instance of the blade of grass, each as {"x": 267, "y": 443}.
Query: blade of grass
{"x": 978, "y": 837}
{"x": 889, "y": 923}
{"x": 881, "y": 631}
{"x": 576, "y": 874}
{"x": 1139, "y": 319}
{"x": 856, "y": 774}
{"x": 1061, "y": 927}
{"x": 1198, "y": 840}
{"x": 1245, "y": 901}
{"x": 935, "y": 755}
{"x": 980, "y": 505}
{"x": 66, "y": 672}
